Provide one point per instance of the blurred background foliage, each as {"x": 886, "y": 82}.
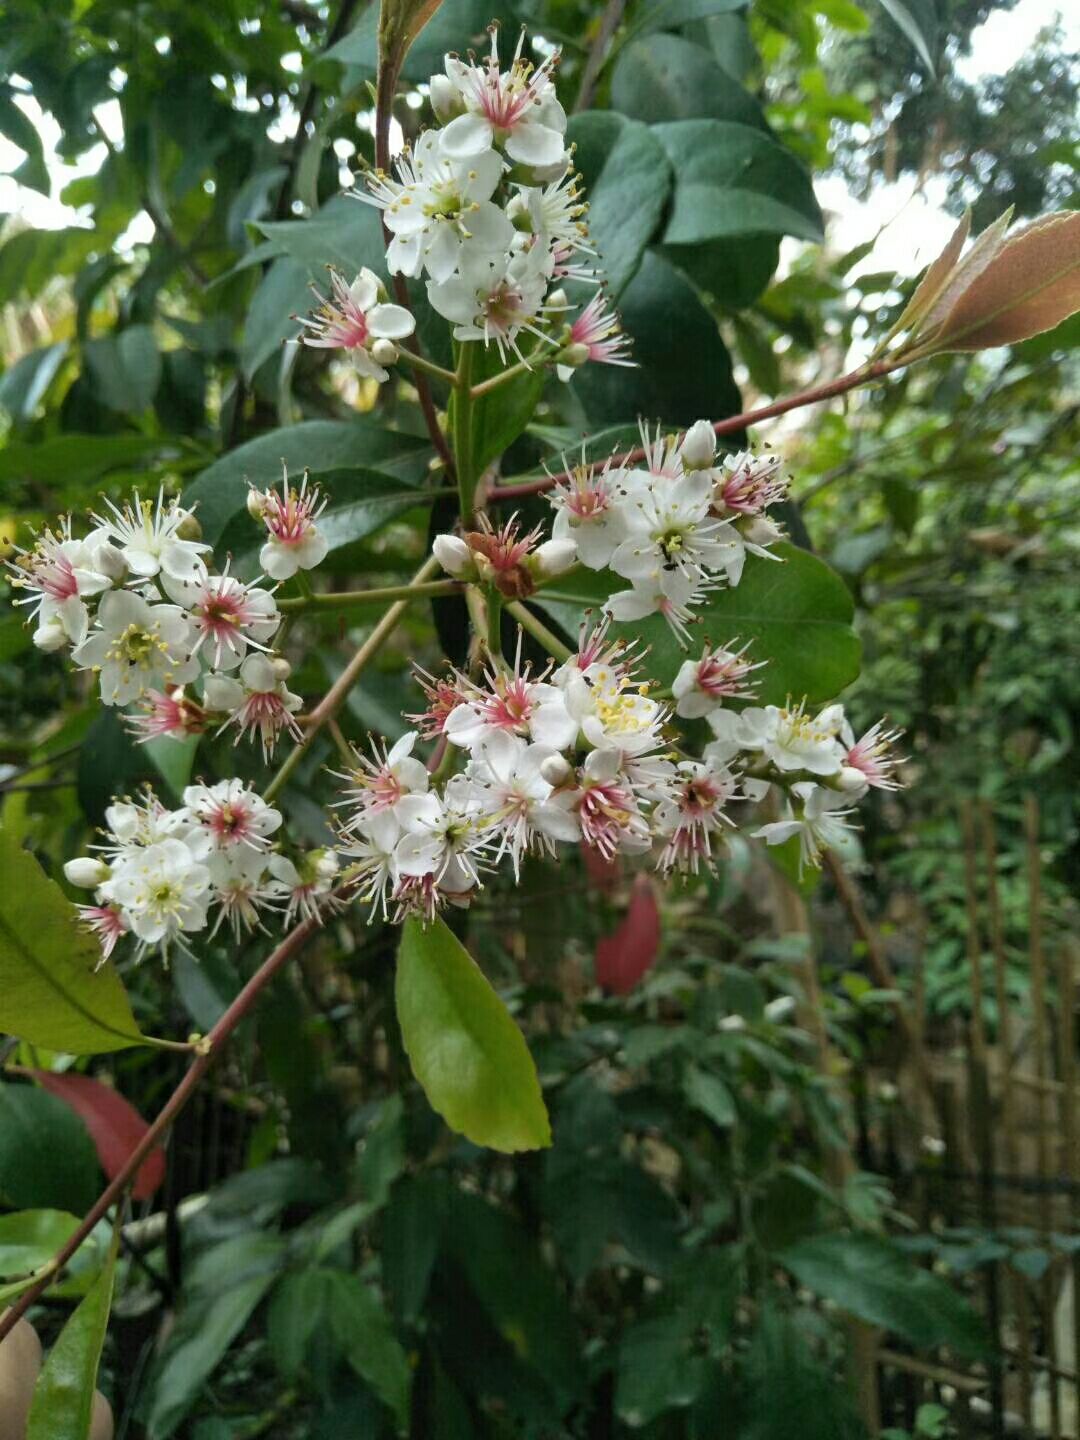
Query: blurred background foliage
{"x": 324, "y": 1258}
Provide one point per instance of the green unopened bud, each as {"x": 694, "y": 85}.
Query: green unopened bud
{"x": 189, "y": 528}
{"x": 573, "y": 355}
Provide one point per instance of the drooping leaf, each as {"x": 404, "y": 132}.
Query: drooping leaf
{"x": 666, "y": 77}
{"x": 869, "y": 1278}
{"x": 47, "y": 1159}
{"x": 115, "y": 1126}
{"x": 733, "y": 180}
{"x": 918, "y": 21}
{"x": 627, "y": 180}
{"x": 51, "y": 992}
{"x": 465, "y": 1049}
{"x": 361, "y": 1327}
{"x": 795, "y": 612}
{"x": 63, "y": 1405}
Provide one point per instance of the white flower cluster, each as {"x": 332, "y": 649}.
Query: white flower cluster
{"x": 139, "y": 607}
{"x": 488, "y": 208}
{"x": 676, "y": 526}
{"x": 161, "y": 874}
{"x": 582, "y": 755}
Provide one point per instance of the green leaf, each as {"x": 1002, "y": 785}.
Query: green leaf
{"x": 282, "y": 292}
{"x": 456, "y": 25}
{"x": 732, "y": 180}
{"x": 234, "y": 1278}
{"x": 51, "y": 992}
{"x": 80, "y": 459}
{"x": 811, "y": 1389}
{"x": 710, "y": 1095}
{"x": 362, "y": 1329}
{"x": 671, "y": 14}
{"x": 657, "y": 1370}
{"x": 173, "y": 759}
{"x": 795, "y": 612}
{"x": 465, "y": 1050}
{"x": 918, "y": 21}
{"x": 628, "y": 181}
{"x": 496, "y": 420}
{"x": 47, "y": 1158}
{"x": 30, "y": 1238}
{"x": 125, "y": 369}
{"x": 669, "y": 78}
{"x": 869, "y": 1278}
{"x": 684, "y": 368}
{"x": 63, "y": 1404}
{"x": 345, "y": 233}
{"x": 320, "y": 446}
{"x": 411, "y": 1231}
{"x": 295, "y": 1312}
{"x": 25, "y": 383}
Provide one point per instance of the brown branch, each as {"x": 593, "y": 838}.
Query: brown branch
{"x": 813, "y": 396}
{"x": 609, "y": 23}
{"x": 208, "y": 1048}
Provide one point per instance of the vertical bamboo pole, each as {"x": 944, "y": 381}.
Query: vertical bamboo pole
{"x": 1017, "y": 1283}
{"x": 981, "y": 1111}
{"x": 1038, "y": 1005}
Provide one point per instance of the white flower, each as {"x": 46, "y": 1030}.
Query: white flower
{"x": 382, "y": 780}
{"x": 355, "y": 320}
{"x": 441, "y": 843}
{"x": 242, "y": 886}
{"x": 720, "y": 674}
{"x": 793, "y": 740}
{"x": 60, "y": 573}
{"x": 698, "y": 448}
{"x": 162, "y": 889}
{"x": 138, "y": 647}
{"x": 671, "y": 529}
{"x": 370, "y": 844}
{"x": 308, "y": 888}
{"x": 692, "y": 813}
{"x": 613, "y": 711}
{"x": 86, "y": 872}
{"x": 231, "y": 815}
{"x": 228, "y": 615}
{"x": 549, "y": 218}
{"x": 817, "y": 817}
{"x": 152, "y": 540}
{"x": 294, "y": 540}
{"x": 453, "y": 554}
{"x": 517, "y": 798}
{"x": 256, "y": 700}
{"x": 438, "y": 207}
{"x": 670, "y": 593}
{"x": 515, "y": 109}
{"x": 492, "y": 298}
{"x": 513, "y": 703}
{"x": 588, "y": 511}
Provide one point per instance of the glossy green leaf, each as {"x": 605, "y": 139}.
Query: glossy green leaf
{"x": 733, "y": 180}
{"x": 496, "y": 420}
{"x": 628, "y": 181}
{"x": 684, "y": 368}
{"x": 23, "y": 386}
{"x": 51, "y": 991}
{"x": 362, "y": 1329}
{"x": 281, "y": 293}
{"x": 30, "y": 1238}
{"x": 63, "y": 1403}
{"x": 47, "y": 1158}
{"x": 795, "y": 612}
{"x": 668, "y": 78}
{"x": 465, "y": 1049}
{"x": 709, "y": 1094}
{"x": 868, "y": 1277}
{"x": 320, "y": 446}
{"x": 124, "y": 368}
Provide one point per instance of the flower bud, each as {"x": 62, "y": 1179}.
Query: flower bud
{"x": 555, "y": 769}
{"x": 223, "y": 692}
{"x": 325, "y": 863}
{"x": 256, "y": 504}
{"x": 557, "y": 300}
{"x": 553, "y": 558}
{"x": 51, "y": 636}
{"x": 758, "y": 530}
{"x": 445, "y": 100}
{"x": 86, "y": 872}
{"x": 282, "y": 668}
{"x": 851, "y": 781}
{"x": 453, "y": 554}
{"x": 573, "y": 356}
{"x": 384, "y": 352}
{"x": 699, "y": 446}
{"x": 519, "y": 214}
{"x": 189, "y": 528}
{"x": 110, "y": 561}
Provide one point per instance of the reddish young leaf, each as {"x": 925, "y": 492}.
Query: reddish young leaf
{"x": 603, "y": 874}
{"x": 625, "y": 955}
{"x": 115, "y": 1126}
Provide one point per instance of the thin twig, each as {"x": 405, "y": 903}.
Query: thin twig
{"x": 598, "y": 51}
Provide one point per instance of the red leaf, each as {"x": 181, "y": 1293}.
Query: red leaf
{"x": 115, "y": 1126}
{"x": 624, "y": 956}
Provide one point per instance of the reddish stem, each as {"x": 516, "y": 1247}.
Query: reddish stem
{"x": 168, "y": 1113}
{"x": 851, "y": 381}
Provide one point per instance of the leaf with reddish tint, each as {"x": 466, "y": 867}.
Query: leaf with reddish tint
{"x": 1031, "y": 284}
{"x": 603, "y": 873}
{"x": 115, "y": 1126}
{"x": 625, "y": 955}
